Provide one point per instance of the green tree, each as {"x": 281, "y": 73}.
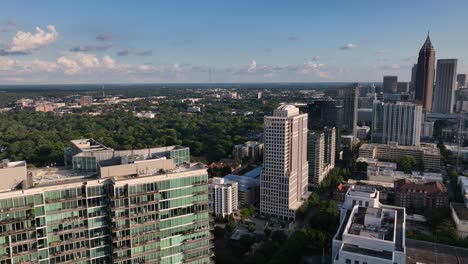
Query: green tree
{"x": 407, "y": 164}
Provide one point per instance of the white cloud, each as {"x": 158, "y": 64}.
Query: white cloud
{"x": 348, "y": 46}
{"x": 252, "y": 67}
{"x": 27, "y": 42}
{"x": 70, "y": 66}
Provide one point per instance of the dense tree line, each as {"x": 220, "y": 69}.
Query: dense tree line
{"x": 39, "y": 138}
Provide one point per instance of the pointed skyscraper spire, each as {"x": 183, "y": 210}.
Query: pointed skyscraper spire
{"x": 427, "y": 43}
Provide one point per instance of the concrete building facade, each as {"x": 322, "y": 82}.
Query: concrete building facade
{"x": 223, "y": 196}
{"x": 399, "y": 122}
{"x": 284, "y": 179}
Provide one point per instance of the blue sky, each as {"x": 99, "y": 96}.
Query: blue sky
{"x": 238, "y": 41}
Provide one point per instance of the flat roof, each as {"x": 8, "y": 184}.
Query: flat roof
{"x": 461, "y": 210}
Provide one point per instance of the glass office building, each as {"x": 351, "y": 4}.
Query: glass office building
{"x": 159, "y": 218}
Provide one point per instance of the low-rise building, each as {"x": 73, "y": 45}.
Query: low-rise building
{"x": 248, "y": 186}
{"x": 460, "y": 217}
{"x": 223, "y": 196}
{"x": 370, "y": 233}
{"x": 426, "y": 154}
{"x": 420, "y": 195}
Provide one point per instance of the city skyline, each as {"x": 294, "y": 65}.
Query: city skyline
{"x": 222, "y": 42}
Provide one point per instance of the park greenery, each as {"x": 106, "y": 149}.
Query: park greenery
{"x": 39, "y": 138}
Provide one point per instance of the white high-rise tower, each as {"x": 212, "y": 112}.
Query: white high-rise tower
{"x": 285, "y": 173}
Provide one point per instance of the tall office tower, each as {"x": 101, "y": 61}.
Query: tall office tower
{"x": 223, "y": 196}
{"x": 390, "y": 84}
{"x": 150, "y": 211}
{"x": 396, "y": 122}
{"x": 461, "y": 80}
{"x": 348, "y": 97}
{"x": 446, "y": 83}
{"x": 425, "y": 75}
{"x": 414, "y": 70}
{"x": 283, "y": 183}
{"x": 324, "y": 112}
{"x": 315, "y": 156}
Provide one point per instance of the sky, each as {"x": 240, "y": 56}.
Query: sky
{"x": 60, "y": 42}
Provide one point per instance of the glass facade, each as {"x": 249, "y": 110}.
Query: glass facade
{"x": 180, "y": 155}
{"x": 109, "y": 222}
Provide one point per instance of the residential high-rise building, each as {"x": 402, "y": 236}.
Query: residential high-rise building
{"x": 315, "y": 156}
{"x": 284, "y": 179}
{"x": 223, "y": 196}
{"x": 320, "y": 154}
{"x": 425, "y": 75}
{"x": 461, "y": 80}
{"x": 396, "y": 122}
{"x": 446, "y": 83}
{"x": 390, "y": 84}
{"x": 330, "y": 143}
{"x": 149, "y": 211}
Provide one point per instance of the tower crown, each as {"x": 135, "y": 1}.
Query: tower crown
{"x": 427, "y": 44}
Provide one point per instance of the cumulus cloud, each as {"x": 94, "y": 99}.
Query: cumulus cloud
{"x": 252, "y": 67}
{"x": 348, "y": 46}
{"x": 27, "y": 42}
{"x": 104, "y": 37}
{"x": 88, "y": 48}
{"x": 390, "y": 67}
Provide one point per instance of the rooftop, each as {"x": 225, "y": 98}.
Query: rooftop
{"x": 434, "y": 187}
{"x": 372, "y": 223}
{"x": 461, "y": 210}
{"x": 362, "y": 191}
{"x": 88, "y": 144}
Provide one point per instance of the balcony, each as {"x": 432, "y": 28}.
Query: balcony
{"x": 201, "y": 193}
{"x": 143, "y": 193}
{"x": 192, "y": 259}
{"x": 143, "y": 203}
{"x": 146, "y": 252}
{"x": 117, "y": 259}
{"x": 119, "y": 228}
{"x": 121, "y": 238}
{"x": 16, "y": 220}
{"x": 16, "y": 209}
{"x": 5, "y": 257}
{"x": 12, "y": 232}
{"x": 198, "y": 248}
{"x": 69, "y": 252}
{"x": 66, "y": 198}
{"x": 190, "y": 241}
{"x": 133, "y": 215}
{"x": 73, "y": 230}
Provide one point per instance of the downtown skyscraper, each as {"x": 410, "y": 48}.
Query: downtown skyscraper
{"x": 446, "y": 83}
{"x": 284, "y": 179}
{"x": 424, "y": 86}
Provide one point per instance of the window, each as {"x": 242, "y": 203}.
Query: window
{"x": 356, "y": 262}
{"x": 367, "y": 204}
{"x": 348, "y": 261}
